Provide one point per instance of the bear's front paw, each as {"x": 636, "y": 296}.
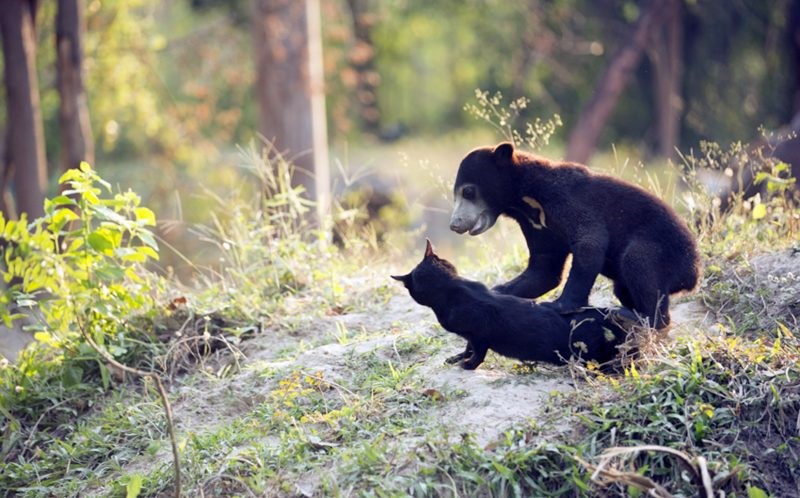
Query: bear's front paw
{"x": 471, "y": 363}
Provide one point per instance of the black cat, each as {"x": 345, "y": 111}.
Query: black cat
{"x": 512, "y": 326}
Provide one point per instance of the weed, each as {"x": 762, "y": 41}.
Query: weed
{"x": 492, "y": 111}
{"x": 79, "y": 266}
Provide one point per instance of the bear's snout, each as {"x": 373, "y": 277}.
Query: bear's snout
{"x": 458, "y": 225}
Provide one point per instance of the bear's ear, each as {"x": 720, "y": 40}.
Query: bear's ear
{"x": 504, "y": 150}
{"x": 428, "y": 248}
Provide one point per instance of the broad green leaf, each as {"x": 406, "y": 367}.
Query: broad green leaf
{"x": 72, "y": 376}
{"x": 110, "y": 273}
{"x": 69, "y": 175}
{"x": 134, "y": 486}
{"x": 130, "y": 254}
{"x": 43, "y": 337}
{"x": 131, "y": 274}
{"x": 145, "y": 216}
{"x": 100, "y": 241}
{"x": 62, "y": 200}
{"x": 76, "y": 244}
{"x": 91, "y": 197}
{"x": 148, "y": 239}
{"x": 755, "y": 492}
{"x": 759, "y": 211}
{"x": 148, "y": 251}
{"x": 64, "y": 215}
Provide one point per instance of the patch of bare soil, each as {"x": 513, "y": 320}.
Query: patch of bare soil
{"x": 490, "y": 400}
{"x": 776, "y": 277}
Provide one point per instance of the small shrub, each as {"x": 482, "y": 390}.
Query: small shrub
{"x": 76, "y": 270}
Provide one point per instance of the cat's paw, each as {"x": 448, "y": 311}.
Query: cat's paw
{"x": 452, "y": 360}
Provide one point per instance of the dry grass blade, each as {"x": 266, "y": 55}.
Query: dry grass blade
{"x": 697, "y": 466}
{"x": 606, "y": 477}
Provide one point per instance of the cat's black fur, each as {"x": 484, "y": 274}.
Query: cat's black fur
{"x": 511, "y": 326}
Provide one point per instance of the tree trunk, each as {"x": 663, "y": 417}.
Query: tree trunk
{"x": 583, "y": 138}
{"x": 73, "y": 114}
{"x": 289, "y": 79}
{"x": 793, "y": 14}
{"x": 6, "y": 172}
{"x": 666, "y": 57}
{"x": 362, "y": 60}
{"x": 26, "y": 135}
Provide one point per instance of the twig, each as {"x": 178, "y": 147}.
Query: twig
{"x": 697, "y": 466}
{"x": 164, "y": 400}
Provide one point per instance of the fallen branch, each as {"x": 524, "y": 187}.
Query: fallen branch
{"x": 164, "y": 401}
{"x": 697, "y": 467}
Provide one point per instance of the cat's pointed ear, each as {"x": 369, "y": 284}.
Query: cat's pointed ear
{"x": 428, "y": 248}
{"x": 402, "y": 278}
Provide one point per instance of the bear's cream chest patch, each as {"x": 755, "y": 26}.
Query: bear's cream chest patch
{"x": 535, "y": 213}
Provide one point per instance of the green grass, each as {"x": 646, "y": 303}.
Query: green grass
{"x": 266, "y": 411}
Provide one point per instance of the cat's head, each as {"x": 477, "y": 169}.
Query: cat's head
{"x": 427, "y": 276}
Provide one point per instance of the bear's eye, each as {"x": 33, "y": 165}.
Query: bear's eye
{"x": 468, "y": 193}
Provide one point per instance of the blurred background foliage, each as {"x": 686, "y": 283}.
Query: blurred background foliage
{"x": 171, "y": 84}
{"x": 172, "y": 81}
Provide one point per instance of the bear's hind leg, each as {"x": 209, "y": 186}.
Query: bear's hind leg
{"x": 647, "y": 298}
{"x": 640, "y": 276}
{"x": 624, "y": 295}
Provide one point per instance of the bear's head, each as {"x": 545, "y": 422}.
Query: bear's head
{"x": 483, "y": 186}
{"x": 425, "y": 280}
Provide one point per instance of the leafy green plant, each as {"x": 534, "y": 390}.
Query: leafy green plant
{"x": 78, "y": 267}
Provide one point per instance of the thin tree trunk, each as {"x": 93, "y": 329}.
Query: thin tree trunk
{"x": 362, "y": 60}
{"x": 26, "y": 136}
{"x": 73, "y": 114}
{"x": 583, "y": 138}
{"x": 6, "y": 172}
{"x": 666, "y": 57}
{"x": 289, "y": 80}
{"x": 793, "y": 14}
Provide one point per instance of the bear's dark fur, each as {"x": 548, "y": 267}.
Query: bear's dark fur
{"x": 608, "y": 225}
{"x": 511, "y": 326}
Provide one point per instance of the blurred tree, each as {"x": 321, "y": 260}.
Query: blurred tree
{"x": 666, "y": 55}
{"x": 590, "y": 123}
{"x": 362, "y": 60}
{"x": 77, "y": 143}
{"x": 793, "y": 36}
{"x": 24, "y": 163}
{"x": 289, "y": 87}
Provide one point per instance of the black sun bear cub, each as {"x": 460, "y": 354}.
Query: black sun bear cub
{"x": 608, "y": 225}
{"x": 509, "y": 325}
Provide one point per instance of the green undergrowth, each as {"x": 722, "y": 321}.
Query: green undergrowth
{"x": 361, "y": 418}
{"x": 82, "y": 271}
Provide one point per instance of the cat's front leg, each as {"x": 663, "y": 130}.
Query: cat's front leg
{"x": 478, "y": 355}
{"x": 460, "y": 356}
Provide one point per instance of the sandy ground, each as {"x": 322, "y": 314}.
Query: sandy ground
{"x": 493, "y": 399}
